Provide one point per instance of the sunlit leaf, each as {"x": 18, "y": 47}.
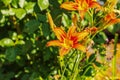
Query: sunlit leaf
{"x": 6, "y": 2}
{"x": 15, "y": 3}
{"x": 6, "y": 42}
{"x": 8, "y": 12}
{"x": 43, "y": 4}
{"x": 114, "y": 28}
{"x": 20, "y": 13}
{"x": 21, "y": 3}
{"x": 20, "y": 42}
{"x": 65, "y": 20}
{"x": 29, "y": 7}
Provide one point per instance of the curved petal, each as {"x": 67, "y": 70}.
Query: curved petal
{"x": 60, "y": 33}
{"x": 80, "y": 47}
{"x": 54, "y": 43}
{"x": 110, "y": 16}
{"x": 70, "y": 5}
{"x": 71, "y": 30}
{"x": 80, "y": 36}
{"x": 63, "y": 51}
{"x": 94, "y": 4}
{"x": 113, "y": 21}
{"x": 77, "y": 1}
{"x": 50, "y": 21}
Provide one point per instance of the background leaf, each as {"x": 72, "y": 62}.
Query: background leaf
{"x": 10, "y": 54}
{"x": 21, "y": 3}
{"x": 6, "y": 2}
{"x": 31, "y": 26}
{"x": 20, "y": 13}
{"x": 6, "y": 42}
{"x": 43, "y": 4}
{"x": 29, "y": 7}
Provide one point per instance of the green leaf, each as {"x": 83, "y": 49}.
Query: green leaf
{"x": 103, "y": 35}
{"x": 6, "y": 2}
{"x": 89, "y": 70}
{"x": 8, "y": 12}
{"x": 60, "y": 1}
{"x": 65, "y": 20}
{"x": 92, "y": 58}
{"x": 114, "y": 28}
{"x": 15, "y": 3}
{"x": 31, "y": 26}
{"x": 33, "y": 76}
{"x": 29, "y": 7}
{"x": 21, "y": 3}
{"x": 47, "y": 55}
{"x": 43, "y": 4}
{"x": 14, "y": 36}
{"x": 25, "y": 77}
{"x": 21, "y": 42}
{"x": 41, "y": 17}
{"x": 6, "y": 42}
{"x": 20, "y": 13}
{"x": 10, "y": 54}
{"x": 45, "y": 29}
{"x": 110, "y": 28}
{"x": 101, "y": 38}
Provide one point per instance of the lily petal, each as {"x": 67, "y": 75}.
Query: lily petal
{"x": 69, "y": 5}
{"x": 80, "y": 47}
{"x": 94, "y": 4}
{"x": 114, "y": 21}
{"x": 54, "y": 43}
{"x": 111, "y": 18}
{"x": 77, "y": 1}
{"x": 81, "y": 35}
{"x": 60, "y": 33}
{"x": 63, "y": 51}
{"x": 71, "y": 30}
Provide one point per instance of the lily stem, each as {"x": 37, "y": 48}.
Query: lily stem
{"x": 75, "y": 70}
{"x": 114, "y": 58}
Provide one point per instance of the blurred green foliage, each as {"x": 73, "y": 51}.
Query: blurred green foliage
{"x": 24, "y": 31}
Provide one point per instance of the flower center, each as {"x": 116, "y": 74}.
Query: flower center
{"x": 68, "y": 43}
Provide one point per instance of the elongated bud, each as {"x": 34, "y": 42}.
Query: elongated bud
{"x": 50, "y": 20}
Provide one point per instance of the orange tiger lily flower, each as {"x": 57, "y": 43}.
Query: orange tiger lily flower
{"x": 111, "y": 19}
{"x": 81, "y": 5}
{"x": 67, "y": 41}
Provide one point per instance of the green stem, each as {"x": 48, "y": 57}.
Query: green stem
{"x": 66, "y": 65}
{"x": 76, "y": 66}
{"x": 91, "y": 15}
{"x": 114, "y": 58}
